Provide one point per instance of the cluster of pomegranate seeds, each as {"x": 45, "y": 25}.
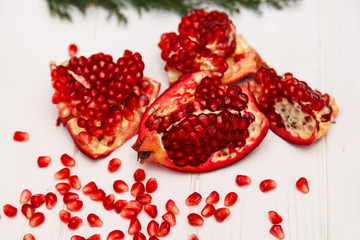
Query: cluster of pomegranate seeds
{"x": 21, "y": 136}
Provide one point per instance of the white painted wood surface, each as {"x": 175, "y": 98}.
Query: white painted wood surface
{"x": 317, "y": 40}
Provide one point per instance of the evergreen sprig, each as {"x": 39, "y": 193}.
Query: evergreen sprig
{"x": 62, "y": 8}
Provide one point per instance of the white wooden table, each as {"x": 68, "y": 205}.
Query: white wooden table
{"x": 316, "y": 40}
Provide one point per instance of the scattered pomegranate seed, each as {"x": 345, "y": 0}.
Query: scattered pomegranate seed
{"x": 43, "y": 161}
{"x": 193, "y": 237}
{"x": 134, "y": 227}
{"x": 213, "y": 198}
{"x": 29, "y": 236}
{"x": 50, "y": 200}
{"x": 129, "y": 213}
{"x": 302, "y": 185}
{"x": 74, "y": 223}
{"x": 75, "y": 182}
{"x": 134, "y": 204}
{"x": 37, "y": 200}
{"x": 152, "y": 228}
{"x": 137, "y": 189}
{"x": 151, "y": 210}
{"x": 119, "y": 205}
{"x": 242, "y": 180}
{"x": 77, "y": 237}
{"x": 221, "y": 214}
{"x": 144, "y": 198}
{"x": 195, "y": 220}
{"x": 21, "y": 136}
{"x": 67, "y": 160}
{"x": 62, "y": 174}
{"x": 208, "y": 210}
{"x": 64, "y": 216}
{"x": 90, "y": 188}
{"x": 163, "y": 229}
{"x": 153, "y": 238}
{"x": 139, "y": 236}
{"x": 94, "y": 237}
{"x": 120, "y": 186}
{"x": 27, "y": 210}
{"x": 98, "y": 195}
{"x": 94, "y": 220}
{"x": 115, "y": 235}
{"x": 10, "y": 210}
{"x": 267, "y": 185}
{"x": 74, "y": 205}
{"x": 277, "y": 231}
{"x": 109, "y": 202}
{"x": 193, "y": 199}
{"x": 70, "y": 196}
{"x": 63, "y": 188}
{"x": 25, "y": 196}
{"x": 172, "y": 207}
{"x": 139, "y": 175}
{"x": 36, "y": 219}
{"x": 114, "y": 164}
{"x": 151, "y": 185}
{"x": 170, "y": 218}
{"x": 73, "y": 50}
{"x": 230, "y": 199}
{"x": 274, "y": 217}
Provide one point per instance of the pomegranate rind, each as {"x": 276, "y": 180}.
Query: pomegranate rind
{"x": 149, "y": 145}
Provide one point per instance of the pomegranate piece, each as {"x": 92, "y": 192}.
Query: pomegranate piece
{"x": 37, "y": 200}
{"x": 98, "y": 195}
{"x": 94, "y": 237}
{"x": 296, "y": 112}
{"x": 101, "y": 101}
{"x": 75, "y": 182}
{"x": 277, "y": 231}
{"x": 74, "y": 223}
{"x": 109, "y": 202}
{"x": 267, "y": 185}
{"x": 114, "y": 164}
{"x": 134, "y": 227}
{"x": 195, "y": 220}
{"x": 36, "y": 219}
{"x": 163, "y": 229}
{"x": 21, "y": 136}
{"x": 242, "y": 180}
{"x": 43, "y": 161}
{"x": 170, "y": 218}
{"x": 28, "y": 236}
{"x": 152, "y": 228}
{"x": 64, "y": 216}
{"x": 151, "y": 210}
{"x": 115, "y": 235}
{"x": 62, "y": 174}
{"x": 137, "y": 189}
{"x": 25, "y": 196}
{"x": 50, "y": 200}
{"x": 208, "y": 210}
{"x": 274, "y": 217}
{"x": 73, "y": 50}
{"x": 221, "y": 214}
{"x": 9, "y": 210}
{"x": 77, "y": 237}
{"x": 172, "y": 207}
{"x": 193, "y": 237}
{"x": 302, "y": 185}
{"x": 139, "y": 236}
{"x": 94, "y": 220}
{"x": 27, "y": 210}
{"x": 199, "y": 125}
{"x": 120, "y": 186}
{"x": 67, "y": 161}
{"x": 151, "y": 185}
{"x": 89, "y": 188}
{"x": 139, "y": 175}
{"x": 193, "y": 199}
{"x": 213, "y": 198}
{"x": 230, "y": 199}
{"x": 74, "y": 205}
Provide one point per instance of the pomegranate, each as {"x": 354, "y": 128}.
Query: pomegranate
{"x": 200, "y": 125}
{"x": 208, "y": 41}
{"x": 101, "y": 101}
{"x": 296, "y": 112}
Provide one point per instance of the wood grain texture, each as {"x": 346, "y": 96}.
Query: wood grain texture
{"x": 318, "y": 41}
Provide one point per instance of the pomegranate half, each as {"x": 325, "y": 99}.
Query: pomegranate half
{"x": 200, "y": 125}
{"x": 101, "y": 101}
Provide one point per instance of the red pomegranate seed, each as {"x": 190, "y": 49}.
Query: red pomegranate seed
{"x": 74, "y": 223}
{"x": 94, "y": 220}
{"x": 98, "y": 195}
{"x": 25, "y": 196}
{"x": 134, "y": 227}
{"x": 67, "y": 160}
{"x": 144, "y": 198}
{"x": 10, "y": 210}
{"x": 193, "y": 237}
{"x": 28, "y": 236}
{"x": 139, "y": 175}
{"x": 37, "y": 200}
{"x": 36, "y": 219}
{"x": 43, "y": 161}
{"x": 90, "y": 188}
{"x": 277, "y": 231}
{"x": 152, "y": 228}
{"x": 50, "y": 200}
{"x": 64, "y": 216}
{"x": 114, "y": 164}
{"x": 208, "y": 210}
{"x": 213, "y": 198}
{"x": 62, "y": 174}
{"x": 193, "y": 199}
{"x": 115, "y": 235}
{"x": 139, "y": 236}
{"x": 63, "y": 188}
{"x": 151, "y": 185}
{"x": 77, "y": 237}
{"x": 163, "y": 229}
{"x": 119, "y": 205}
{"x": 242, "y": 180}
{"x": 195, "y": 220}
{"x": 137, "y": 189}
{"x": 221, "y": 214}
{"x": 230, "y": 199}
{"x": 72, "y": 50}
{"x": 27, "y": 210}
{"x": 267, "y": 185}
{"x": 129, "y": 213}
{"x": 274, "y": 217}
{"x": 172, "y": 207}
{"x": 170, "y": 218}
{"x": 70, "y": 196}
{"x": 120, "y": 186}
{"x": 302, "y": 185}
{"x": 109, "y": 202}
{"x": 21, "y": 136}
{"x": 134, "y": 204}
{"x": 74, "y": 205}
{"x": 151, "y": 210}
{"x": 75, "y": 182}
{"x": 153, "y": 238}
{"x": 94, "y": 237}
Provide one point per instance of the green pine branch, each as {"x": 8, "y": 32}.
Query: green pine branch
{"x": 63, "y": 8}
